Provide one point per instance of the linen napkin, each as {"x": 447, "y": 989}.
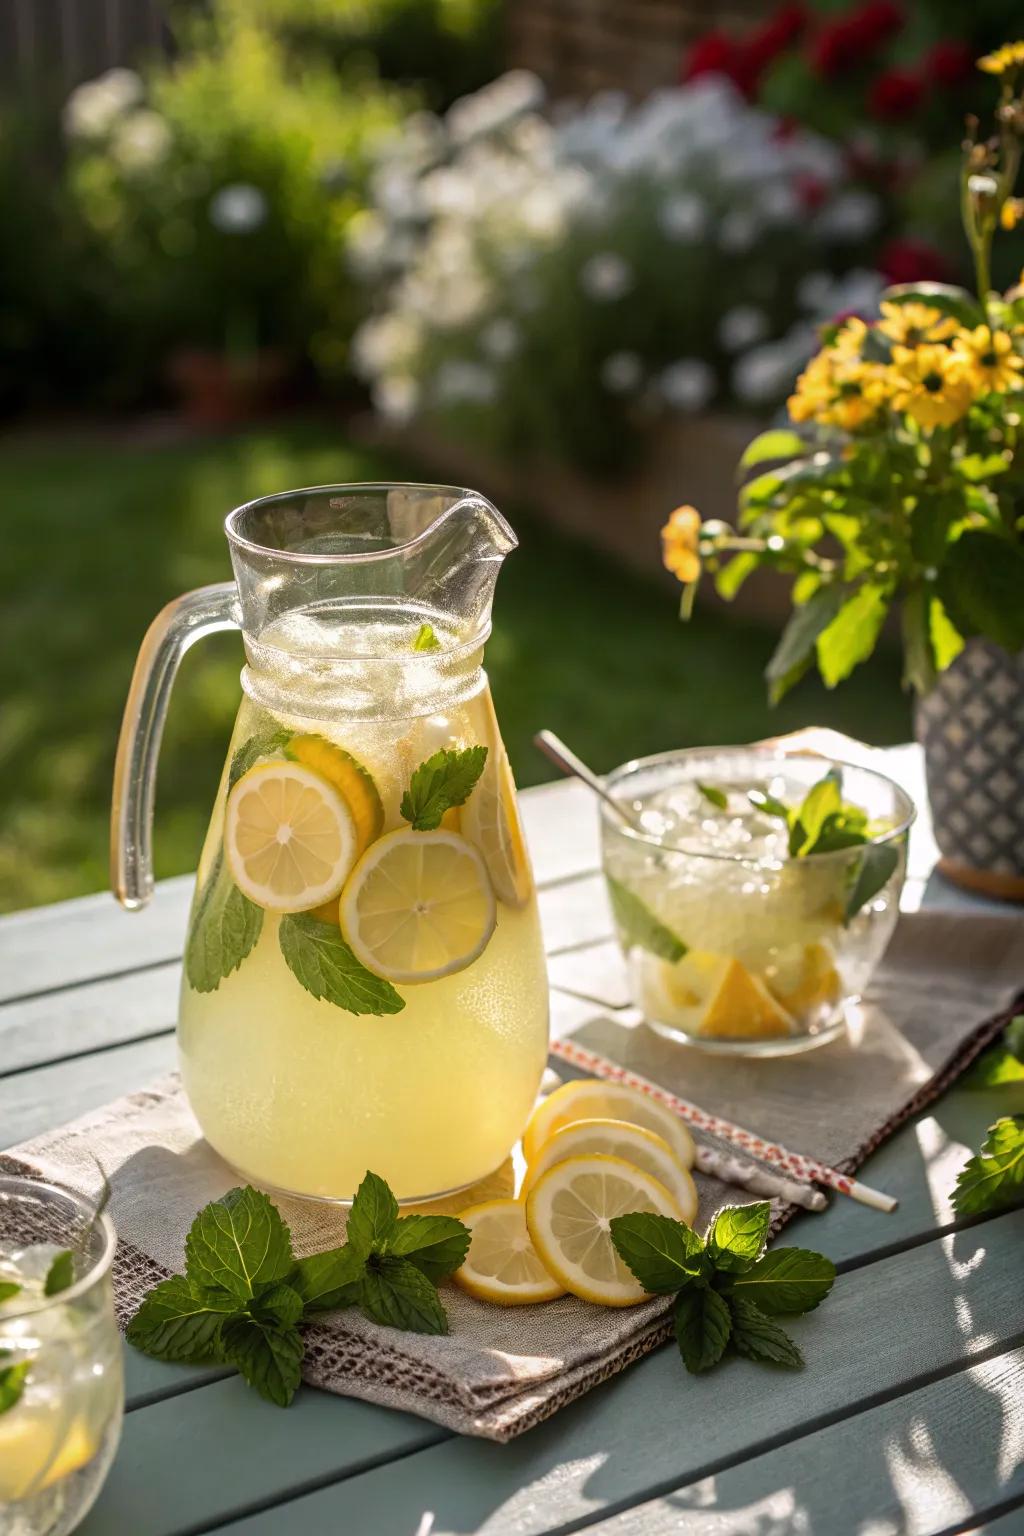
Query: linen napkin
{"x": 942, "y": 992}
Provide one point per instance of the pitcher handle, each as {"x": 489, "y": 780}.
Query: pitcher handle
{"x": 175, "y": 628}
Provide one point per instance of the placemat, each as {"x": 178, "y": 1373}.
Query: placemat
{"x": 942, "y": 992}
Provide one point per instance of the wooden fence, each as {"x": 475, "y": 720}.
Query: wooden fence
{"x": 56, "y": 44}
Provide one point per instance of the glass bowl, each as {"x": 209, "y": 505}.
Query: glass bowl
{"x": 733, "y": 944}
{"x": 61, "y": 1379}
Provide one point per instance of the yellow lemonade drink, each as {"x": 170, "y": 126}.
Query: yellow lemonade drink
{"x": 364, "y": 983}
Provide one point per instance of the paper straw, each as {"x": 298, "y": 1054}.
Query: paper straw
{"x": 805, "y": 1170}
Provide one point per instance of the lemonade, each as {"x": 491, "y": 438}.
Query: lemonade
{"x": 362, "y": 989}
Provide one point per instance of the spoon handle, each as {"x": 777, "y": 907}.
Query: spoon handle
{"x": 565, "y": 759}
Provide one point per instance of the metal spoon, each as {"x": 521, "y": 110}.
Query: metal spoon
{"x": 566, "y": 760}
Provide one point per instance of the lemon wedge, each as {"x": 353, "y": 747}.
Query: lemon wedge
{"x": 568, "y": 1215}
{"x": 804, "y": 978}
{"x": 418, "y": 906}
{"x": 490, "y": 819}
{"x": 713, "y": 995}
{"x": 589, "y": 1098}
{"x": 37, "y": 1449}
{"x": 353, "y": 782}
{"x": 289, "y": 837}
{"x": 502, "y": 1264}
{"x": 635, "y": 1144}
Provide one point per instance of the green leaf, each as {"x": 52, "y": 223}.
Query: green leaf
{"x": 717, "y": 797}
{"x": 264, "y": 744}
{"x": 795, "y": 650}
{"x": 326, "y": 1281}
{"x": 444, "y": 780}
{"x": 979, "y": 467}
{"x": 373, "y": 1217}
{"x": 947, "y": 641}
{"x": 238, "y": 1244}
{"x": 638, "y": 924}
{"x": 918, "y": 652}
{"x": 664, "y": 1255}
{"x": 224, "y": 930}
{"x": 994, "y": 1068}
{"x": 738, "y": 1234}
{"x": 851, "y": 636}
{"x": 947, "y": 298}
{"x": 995, "y": 1176}
{"x": 425, "y": 639}
{"x": 785, "y": 1280}
{"x": 281, "y": 1304}
{"x": 980, "y": 586}
{"x": 821, "y": 801}
{"x": 778, "y": 444}
{"x": 267, "y": 1355}
{"x": 731, "y": 576}
{"x": 12, "y": 1383}
{"x": 8, "y": 1288}
{"x": 396, "y": 1294}
{"x": 437, "y": 1245}
{"x": 702, "y": 1327}
{"x": 177, "y": 1321}
{"x": 321, "y": 961}
{"x": 759, "y": 1338}
{"x": 768, "y": 805}
{"x": 878, "y": 864}
{"x": 1013, "y": 1036}
{"x": 60, "y": 1274}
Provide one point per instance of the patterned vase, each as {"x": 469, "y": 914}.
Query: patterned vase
{"x": 971, "y": 726}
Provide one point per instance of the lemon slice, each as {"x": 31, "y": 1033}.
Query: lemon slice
{"x": 289, "y": 837}
{"x": 568, "y": 1216}
{"x": 490, "y": 819}
{"x": 645, "y": 1149}
{"x": 353, "y": 782}
{"x": 418, "y": 906}
{"x": 589, "y": 1098}
{"x": 502, "y": 1263}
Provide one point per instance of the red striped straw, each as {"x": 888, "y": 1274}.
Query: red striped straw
{"x": 796, "y": 1164}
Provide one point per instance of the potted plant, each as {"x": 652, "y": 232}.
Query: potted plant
{"x": 901, "y": 484}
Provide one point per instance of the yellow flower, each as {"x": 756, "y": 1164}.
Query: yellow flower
{"x": 930, "y": 384}
{"x": 679, "y": 544}
{"x": 836, "y": 390}
{"x": 910, "y": 324}
{"x": 850, "y": 337}
{"x": 1009, "y": 56}
{"x": 988, "y": 360}
{"x": 1011, "y": 212}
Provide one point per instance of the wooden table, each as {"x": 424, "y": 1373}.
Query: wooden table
{"x": 908, "y": 1418}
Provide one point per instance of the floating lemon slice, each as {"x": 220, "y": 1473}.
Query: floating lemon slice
{"x": 38, "y": 1449}
{"x": 502, "y": 1264}
{"x": 353, "y": 782}
{"x": 715, "y": 996}
{"x": 589, "y": 1099}
{"x": 418, "y": 906}
{"x": 490, "y": 819}
{"x": 645, "y": 1149}
{"x": 289, "y": 837}
{"x": 804, "y": 979}
{"x": 568, "y": 1216}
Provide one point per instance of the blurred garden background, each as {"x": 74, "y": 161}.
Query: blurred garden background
{"x": 573, "y": 254}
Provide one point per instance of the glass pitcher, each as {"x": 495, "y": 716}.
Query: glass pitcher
{"x": 364, "y": 982}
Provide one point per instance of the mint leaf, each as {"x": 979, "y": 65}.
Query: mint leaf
{"x": 1013, "y": 1036}
{"x": 425, "y": 639}
{"x": 444, "y": 780}
{"x": 717, "y": 797}
{"x": 238, "y": 1244}
{"x": 663, "y": 1254}
{"x": 821, "y": 801}
{"x": 326, "y": 1281}
{"x": 263, "y": 744}
{"x": 395, "y": 1293}
{"x": 321, "y": 961}
{"x": 178, "y": 1322}
{"x": 373, "y": 1216}
{"x": 738, "y": 1234}
{"x": 702, "y": 1327}
{"x": 268, "y": 1356}
{"x": 995, "y": 1176}
{"x": 638, "y": 924}
{"x": 759, "y": 1338}
{"x": 224, "y": 930}
{"x": 8, "y": 1288}
{"x": 785, "y": 1280}
{"x": 437, "y": 1245}
{"x": 876, "y": 867}
{"x": 60, "y": 1274}
{"x": 768, "y": 805}
{"x": 993, "y": 1069}
{"x": 281, "y": 1304}
{"x": 12, "y": 1382}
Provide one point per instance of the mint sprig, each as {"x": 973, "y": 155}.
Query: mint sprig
{"x": 713, "y": 795}
{"x": 60, "y": 1274}
{"x": 727, "y": 1288}
{"x": 425, "y": 639}
{"x": 224, "y": 929}
{"x": 244, "y": 1297}
{"x": 1003, "y": 1062}
{"x": 8, "y": 1288}
{"x": 444, "y": 780}
{"x": 994, "y": 1177}
{"x": 266, "y": 743}
{"x": 12, "y": 1382}
{"x": 638, "y": 925}
{"x": 321, "y": 961}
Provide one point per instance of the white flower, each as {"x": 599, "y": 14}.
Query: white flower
{"x": 141, "y": 140}
{"x": 459, "y": 380}
{"x": 852, "y": 215}
{"x": 683, "y": 217}
{"x": 396, "y": 397}
{"x": 367, "y": 241}
{"x": 765, "y": 373}
{"x": 238, "y": 209}
{"x": 741, "y": 327}
{"x": 606, "y": 276}
{"x": 687, "y": 385}
{"x": 93, "y": 108}
{"x": 385, "y": 344}
{"x": 778, "y": 203}
{"x": 738, "y": 231}
{"x": 813, "y": 290}
{"x": 621, "y": 372}
{"x": 500, "y": 339}
{"x": 495, "y": 107}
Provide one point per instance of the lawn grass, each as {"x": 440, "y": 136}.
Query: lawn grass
{"x": 99, "y": 535}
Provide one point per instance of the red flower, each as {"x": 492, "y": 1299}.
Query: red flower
{"x": 848, "y": 41}
{"x": 712, "y": 54}
{"x": 778, "y": 33}
{"x": 949, "y": 62}
{"x": 811, "y": 192}
{"x": 876, "y": 21}
{"x": 895, "y": 95}
{"x": 912, "y": 261}
{"x": 830, "y": 51}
